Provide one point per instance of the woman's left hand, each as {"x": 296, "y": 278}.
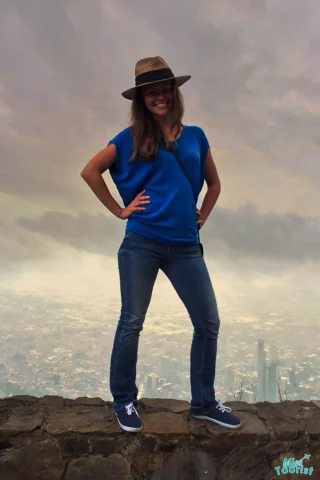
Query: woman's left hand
{"x": 200, "y": 221}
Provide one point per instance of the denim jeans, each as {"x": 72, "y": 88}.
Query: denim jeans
{"x": 139, "y": 260}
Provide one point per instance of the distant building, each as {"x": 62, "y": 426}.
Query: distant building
{"x": 152, "y": 381}
{"x": 273, "y": 354}
{"x": 272, "y": 387}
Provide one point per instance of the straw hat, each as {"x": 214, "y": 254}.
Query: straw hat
{"x": 151, "y": 70}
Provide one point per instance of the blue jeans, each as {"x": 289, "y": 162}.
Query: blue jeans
{"x": 139, "y": 261}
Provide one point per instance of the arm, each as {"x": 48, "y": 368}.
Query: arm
{"x": 92, "y": 175}
{"x": 214, "y": 189}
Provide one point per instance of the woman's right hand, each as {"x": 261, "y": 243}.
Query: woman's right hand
{"x": 135, "y": 205}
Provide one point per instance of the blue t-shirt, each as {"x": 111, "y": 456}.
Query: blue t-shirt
{"x": 170, "y": 218}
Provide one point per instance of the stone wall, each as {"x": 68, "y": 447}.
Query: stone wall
{"x": 53, "y": 438}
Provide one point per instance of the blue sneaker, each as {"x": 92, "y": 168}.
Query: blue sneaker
{"x": 129, "y": 419}
{"x": 222, "y": 416}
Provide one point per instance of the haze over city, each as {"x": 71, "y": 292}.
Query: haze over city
{"x": 254, "y": 91}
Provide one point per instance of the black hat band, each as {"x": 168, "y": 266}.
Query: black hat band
{"x": 161, "y": 74}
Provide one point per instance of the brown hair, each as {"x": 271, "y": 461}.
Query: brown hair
{"x": 144, "y": 128}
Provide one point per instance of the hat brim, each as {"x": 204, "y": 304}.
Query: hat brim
{"x": 130, "y": 93}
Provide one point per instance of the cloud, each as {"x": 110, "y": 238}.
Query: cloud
{"x": 240, "y": 233}
{"x": 273, "y": 236}
{"x": 254, "y": 90}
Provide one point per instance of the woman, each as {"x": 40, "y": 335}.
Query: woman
{"x": 161, "y": 233}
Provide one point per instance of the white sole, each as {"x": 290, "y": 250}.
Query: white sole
{"x": 203, "y": 417}
{"x": 129, "y": 429}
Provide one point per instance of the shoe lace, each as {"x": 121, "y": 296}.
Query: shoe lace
{"x": 221, "y": 407}
{"x": 130, "y": 408}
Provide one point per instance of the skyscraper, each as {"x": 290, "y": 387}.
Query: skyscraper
{"x": 273, "y": 354}
{"x": 272, "y": 388}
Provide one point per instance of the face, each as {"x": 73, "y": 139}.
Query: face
{"x": 158, "y": 97}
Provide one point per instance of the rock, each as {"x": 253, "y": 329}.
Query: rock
{"x": 38, "y": 461}
{"x": 283, "y": 419}
{"x": 78, "y": 420}
{"x": 57, "y": 438}
{"x": 165, "y": 404}
{"x": 21, "y": 419}
{"x": 242, "y": 464}
{"x": 164, "y": 423}
{"x": 187, "y": 464}
{"x": 115, "y": 467}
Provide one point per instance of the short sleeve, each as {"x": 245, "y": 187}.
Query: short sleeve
{"x": 204, "y": 146}
{"x": 114, "y": 166}
{"x": 115, "y": 141}
{"x": 123, "y": 143}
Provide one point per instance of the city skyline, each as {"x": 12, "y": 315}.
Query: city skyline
{"x": 72, "y": 369}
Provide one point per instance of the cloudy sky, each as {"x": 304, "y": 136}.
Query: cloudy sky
{"x": 255, "y": 91}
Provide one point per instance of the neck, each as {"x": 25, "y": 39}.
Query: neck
{"x": 167, "y": 127}
{"x": 165, "y": 122}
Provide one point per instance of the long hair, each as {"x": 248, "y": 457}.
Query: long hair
{"x": 145, "y": 130}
